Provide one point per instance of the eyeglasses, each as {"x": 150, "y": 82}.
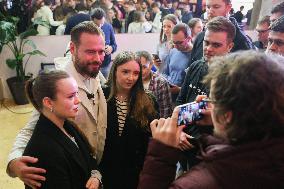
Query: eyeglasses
{"x": 181, "y": 42}
{"x": 208, "y": 99}
{"x": 261, "y": 31}
{"x": 147, "y": 65}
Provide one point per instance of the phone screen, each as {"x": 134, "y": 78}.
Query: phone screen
{"x": 190, "y": 112}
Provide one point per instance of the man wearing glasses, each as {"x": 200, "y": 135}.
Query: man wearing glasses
{"x": 179, "y": 58}
{"x": 262, "y": 30}
{"x": 276, "y": 37}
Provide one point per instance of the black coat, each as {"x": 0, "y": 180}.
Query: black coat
{"x": 241, "y": 42}
{"x": 67, "y": 166}
{"x": 192, "y": 85}
{"x": 124, "y": 155}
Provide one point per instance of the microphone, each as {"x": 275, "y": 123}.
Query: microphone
{"x": 90, "y": 95}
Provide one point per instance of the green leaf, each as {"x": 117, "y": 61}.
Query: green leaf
{"x": 29, "y": 32}
{"x": 36, "y": 52}
{"x": 12, "y": 63}
{"x": 13, "y": 19}
{"x": 7, "y": 32}
{"x": 30, "y": 43}
{"x": 20, "y": 57}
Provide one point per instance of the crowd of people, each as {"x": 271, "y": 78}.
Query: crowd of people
{"x": 114, "y": 124}
{"x": 124, "y": 16}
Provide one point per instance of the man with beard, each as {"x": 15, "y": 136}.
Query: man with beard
{"x": 87, "y": 48}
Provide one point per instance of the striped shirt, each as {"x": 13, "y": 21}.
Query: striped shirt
{"x": 121, "y": 107}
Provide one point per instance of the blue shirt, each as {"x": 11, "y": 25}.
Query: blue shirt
{"x": 109, "y": 40}
{"x": 176, "y": 63}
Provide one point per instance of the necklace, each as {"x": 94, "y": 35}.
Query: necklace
{"x": 121, "y": 98}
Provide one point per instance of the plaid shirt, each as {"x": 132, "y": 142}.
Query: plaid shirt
{"x": 161, "y": 90}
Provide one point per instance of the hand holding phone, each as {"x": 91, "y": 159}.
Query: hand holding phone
{"x": 191, "y": 112}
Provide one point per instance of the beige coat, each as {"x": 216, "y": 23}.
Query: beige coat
{"x": 92, "y": 114}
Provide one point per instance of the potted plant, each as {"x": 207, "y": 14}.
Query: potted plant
{"x": 16, "y": 43}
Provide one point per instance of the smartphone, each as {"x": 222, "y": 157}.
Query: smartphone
{"x": 191, "y": 112}
{"x": 156, "y": 57}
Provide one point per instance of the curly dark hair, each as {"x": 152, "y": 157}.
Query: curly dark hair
{"x": 250, "y": 85}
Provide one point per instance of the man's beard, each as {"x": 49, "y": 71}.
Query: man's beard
{"x": 82, "y": 68}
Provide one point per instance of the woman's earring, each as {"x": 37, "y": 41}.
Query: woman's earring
{"x": 51, "y": 109}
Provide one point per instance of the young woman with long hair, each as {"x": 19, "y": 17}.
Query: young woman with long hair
{"x": 130, "y": 111}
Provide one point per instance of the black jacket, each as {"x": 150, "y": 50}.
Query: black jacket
{"x": 67, "y": 166}
{"x": 241, "y": 42}
{"x": 192, "y": 85}
{"x": 124, "y": 155}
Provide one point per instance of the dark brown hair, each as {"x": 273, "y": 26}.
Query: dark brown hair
{"x": 192, "y": 22}
{"x": 141, "y": 106}
{"x": 174, "y": 20}
{"x": 182, "y": 27}
{"x": 278, "y": 25}
{"x": 264, "y": 20}
{"x": 222, "y": 24}
{"x": 44, "y": 85}
{"x": 251, "y": 86}
{"x": 278, "y": 8}
{"x": 85, "y": 27}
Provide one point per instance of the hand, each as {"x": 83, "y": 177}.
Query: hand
{"x": 206, "y": 120}
{"x": 166, "y": 130}
{"x": 108, "y": 50}
{"x": 93, "y": 183}
{"x": 174, "y": 89}
{"x": 29, "y": 175}
{"x": 183, "y": 142}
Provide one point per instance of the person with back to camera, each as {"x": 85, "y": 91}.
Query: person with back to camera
{"x": 62, "y": 150}
{"x": 246, "y": 150}
{"x": 87, "y": 49}
{"x": 130, "y": 111}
